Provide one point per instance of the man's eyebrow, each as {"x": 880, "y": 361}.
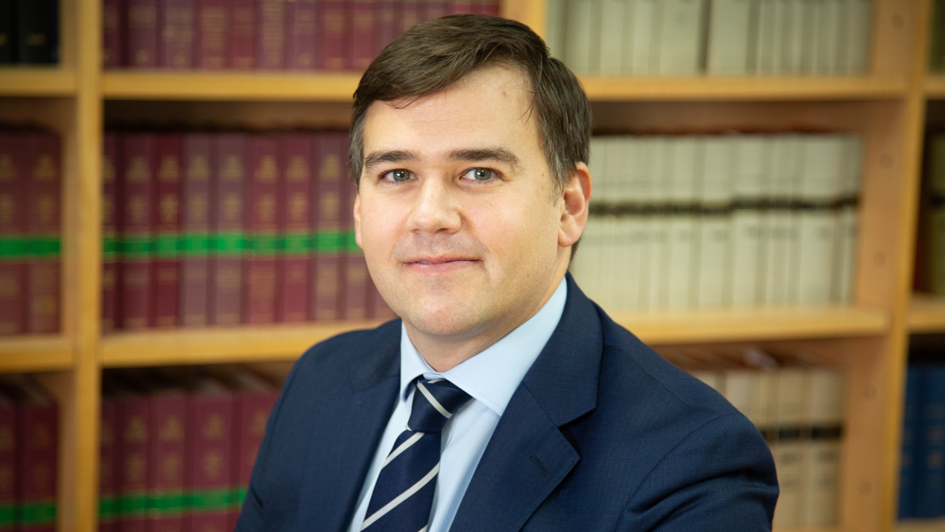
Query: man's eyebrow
{"x": 485, "y": 154}
{"x": 392, "y": 156}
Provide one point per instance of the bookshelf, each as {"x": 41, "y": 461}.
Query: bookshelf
{"x": 868, "y": 339}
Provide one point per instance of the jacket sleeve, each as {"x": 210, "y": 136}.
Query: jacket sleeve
{"x": 721, "y": 477}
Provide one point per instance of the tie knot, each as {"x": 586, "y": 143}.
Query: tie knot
{"x": 434, "y": 403}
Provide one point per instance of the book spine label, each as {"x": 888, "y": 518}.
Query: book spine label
{"x": 136, "y": 232}
{"x": 295, "y": 228}
{"x": 262, "y": 257}
{"x": 113, "y": 34}
{"x": 209, "y": 476}
{"x": 35, "y": 33}
{"x": 166, "y": 461}
{"x": 362, "y": 29}
{"x": 194, "y": 243}
{"x": 110, "y": 165}
{"x": 178, "y": 26}
{"x": 270, "y": 51}
{"x": 142, "y": 33}
{"x": 14, "y": 230}
{"x": 252, "y": 414}
{"x": 8, "y": 466}
{"x": 166, "y": 213}
{"x": 301, "y": 27}
{"x": 134, "y": 424}
{"x": 212, "y": 34}
{"x": 43, "y": 247}
{"x": 329, "y": 238}
{"x": 228, "y": 182}
{"x": 107, "y": 469}
{"x": 242, "y": 37}
{"x": 333, "y": 15}
{"x": 38, "y": 430}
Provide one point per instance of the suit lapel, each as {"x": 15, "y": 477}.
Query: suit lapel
{"x": 528, "y": 456}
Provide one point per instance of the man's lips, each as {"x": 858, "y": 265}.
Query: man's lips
{"x": 427, "y": 261}
{"x": 439, "y": 265}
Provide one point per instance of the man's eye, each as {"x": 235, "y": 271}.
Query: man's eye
{"x": 397, "y": 175}
{"x": 480, "y": 174}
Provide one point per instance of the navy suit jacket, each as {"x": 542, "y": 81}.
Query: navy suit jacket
{"x": 602, "y": 434}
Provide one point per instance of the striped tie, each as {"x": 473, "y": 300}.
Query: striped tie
{"x": 403, "y": 494}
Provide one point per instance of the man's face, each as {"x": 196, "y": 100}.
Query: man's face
{"x": 457, "y": 212}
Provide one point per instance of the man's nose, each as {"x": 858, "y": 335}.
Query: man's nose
{"x": 436, "y": 208}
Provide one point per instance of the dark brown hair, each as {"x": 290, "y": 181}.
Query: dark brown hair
{"x": 438, "y": 53}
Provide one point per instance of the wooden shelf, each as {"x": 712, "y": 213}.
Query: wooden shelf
{"x": 229, "y": 86}
{"x": 603, "y": 89}
{"x": 35, "y": 353}
{"x": 926, "y": 314}
{"x": 205, "y": 346}
{"x": 921, "y": 525}
{"x": 37, "y": 81}
{"x": 782, "y": 323}
{"x": 935, "y": 86}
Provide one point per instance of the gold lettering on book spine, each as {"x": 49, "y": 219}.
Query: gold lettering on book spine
{"x": 136, "y": 431}
{"x": 169, "y": 169}
{"x": 213, "y": 464}
{"x": 297, "y": 171}
{"x": 331, "y": 168}
{"x": 232, "y": 168}
{"x": 45, "y": 168}
{"x": 172, "y": 430}
{"x": 172, "y": 468}
{"x": 168, "y": 209}
{"x": 138, "y": 171}
{"x": 198, "y": 169}
{"x": 213, "y": 428}
{"x": 7, "y": 210}
{"x": 267, "y": 171}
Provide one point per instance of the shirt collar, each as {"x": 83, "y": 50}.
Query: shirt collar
{"x": 493, "y": 375}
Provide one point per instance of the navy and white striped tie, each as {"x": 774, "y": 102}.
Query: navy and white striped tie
{"x": 403, "y": 494}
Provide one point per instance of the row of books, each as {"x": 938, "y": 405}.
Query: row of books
{"x": 721, "y": 221}
{"x": 932, "y": 253}
{"x": 29, "y": 438}
{"x": 714, "y": 37}
{"x": 227, "y": 228}
{"x": 799, "y": 407}
{"x": 263, "y": 34}
{"x": 29, "y": 31}
{"x": 178, "y": 447}
{"x": 30, "y": 197}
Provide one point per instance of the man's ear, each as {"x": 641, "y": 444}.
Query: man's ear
{"x": 574, "y": 203}
{"x": 357, "y": 220}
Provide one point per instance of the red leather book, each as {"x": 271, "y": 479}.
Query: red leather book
{"x": 210, "y": 442}
{"x": 363, "y": 29}
{"x": 110, "y": 163}
{"x": 227, "y": 197}
{"x": 354, "y": 271}
{"x": 134, "y": 425}
{"x": 463, "y": 7}
{"x": 434, "y": 9}
{"x": 8, "y": 438}
{"x": 242, "y": 38}
{"x": 333, "y": 16}
{"x": 37, "y": 422}
{"x": 212, "y": 34}
{"x": 142, "y": 32}
{"x": 107, "y": 467}
{"x": 14, "y": 229}
{"x": 177, "y": 30}
{"x": 167, "y": 459}
{"x": 301, "y": 26}
{"x": 261, "y": 264}
{"x": 166, "y": 216}
{"x": 137, "y": 190}
{"x": 270, "y": 40}
{"x": 113, "y": 33}
{"x": 378, "y": 307}
{"x": 195, "y": 232}
{"x": 295, "y": 227}
{"x": 44, "y": 207}
{"x": 387, "y": 23}
{"x": 490, "y": 7}
{"x": 326, "y": 303}
{"x": 411, "y": 14}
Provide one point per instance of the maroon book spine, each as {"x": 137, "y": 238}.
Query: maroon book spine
{"x": 387, "y": 24}
{"x": 166, "y": 216}
{"x": 110, "y": 164}
{"x": 270, "y": 41}
{"x": 434, "y": 9}
{"x": 178, "y": 28}
{"x": 107, "y": 468}
{"x": 379, "y": 310}
{"x": 37, "y": 427}
{"x": 212, "y": 34}
{"x": 42, "y": 310}
{"x": 363, "y": 29}
{"x": 195, "y": 232}
{"x": 134, "y": 425}
{"x": 490, "y": 7}
{"x": 136, "y": 187}
{"x": 142, "y": 32}
{"x": 209, "y": 474}
{"x": 295, "y": 228}
{"x": 463, "y": 7}
{"x": 8, "y": 473}
{"x": 301, "y": 29}
{"x": 242, "y": 38}
{"x": 252, "y": 414}
{"x": 354, "y": 271}
{"x": 113, "y": 33}
{"x": 326, "y": 303}
{"x": 166, "y": 459}
{"x": 227, "y": 198}
{"x": 411, "y": 12}
{"x": 14, "y": 229}
{"x": 261, "y": 264}
{"x": 333, "y": 17}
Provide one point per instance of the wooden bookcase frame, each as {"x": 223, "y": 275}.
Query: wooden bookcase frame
{"x": 869, "y": 339}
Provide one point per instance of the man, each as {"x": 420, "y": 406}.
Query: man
{"x": 503, "y": 399}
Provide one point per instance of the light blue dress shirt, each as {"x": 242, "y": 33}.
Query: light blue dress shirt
{"x": 491, "y": 377}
